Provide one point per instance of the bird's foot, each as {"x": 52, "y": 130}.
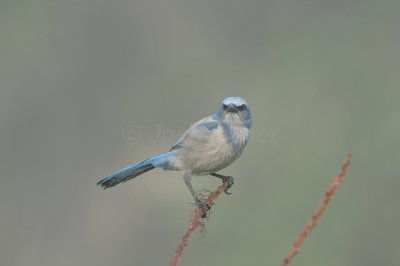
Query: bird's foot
{"x": 230, "y": 181}
{"x": 205, "y": 207}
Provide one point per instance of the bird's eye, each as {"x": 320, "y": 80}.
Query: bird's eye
{"x": 224, "y": 106}
{"x": 241, "y": 107}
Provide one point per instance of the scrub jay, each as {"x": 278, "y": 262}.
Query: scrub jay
{"x": 206, "y": 147}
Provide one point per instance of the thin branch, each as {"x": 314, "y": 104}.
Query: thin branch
{"x": 196, "y": 222}
{"x": 317, "y": 214}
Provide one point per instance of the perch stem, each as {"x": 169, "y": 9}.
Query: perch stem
{"x": 317, "y": 214}
{"x": 196, "y": 222}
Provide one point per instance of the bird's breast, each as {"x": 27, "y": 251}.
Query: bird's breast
{"x": 213, "y": 152}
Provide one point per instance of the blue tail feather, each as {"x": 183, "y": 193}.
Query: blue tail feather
{"x": 134, "y": 170}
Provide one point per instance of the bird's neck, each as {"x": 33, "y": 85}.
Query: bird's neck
{"x": 236, "y": 132}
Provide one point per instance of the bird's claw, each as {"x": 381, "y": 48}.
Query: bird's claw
{"x": 205, "y": 207}
{"x": 230, "y": 181}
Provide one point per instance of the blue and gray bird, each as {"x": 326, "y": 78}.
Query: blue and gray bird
{"x": 207, "y": 147}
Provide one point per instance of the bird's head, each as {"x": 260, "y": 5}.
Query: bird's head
{"x": 234, "y": 110}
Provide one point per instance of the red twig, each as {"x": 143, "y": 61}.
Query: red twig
{"x": 196, "y": 222}
{"x": 317, "y": 214}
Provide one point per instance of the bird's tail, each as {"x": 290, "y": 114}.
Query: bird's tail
{"x": 134, "y": 170}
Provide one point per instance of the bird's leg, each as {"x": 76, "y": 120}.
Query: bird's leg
{"x": 200, "y": 204}
{"x": 224, "y": 178}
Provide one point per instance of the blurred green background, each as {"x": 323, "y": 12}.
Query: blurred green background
{"x": 87, "y": 87}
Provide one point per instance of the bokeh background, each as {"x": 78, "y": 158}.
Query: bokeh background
{"x": 87, "y": 87}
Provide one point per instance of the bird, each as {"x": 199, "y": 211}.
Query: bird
{"x": 208, "y": 146}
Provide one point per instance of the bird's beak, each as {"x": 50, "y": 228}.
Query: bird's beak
{"x": 231, "y": 108}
